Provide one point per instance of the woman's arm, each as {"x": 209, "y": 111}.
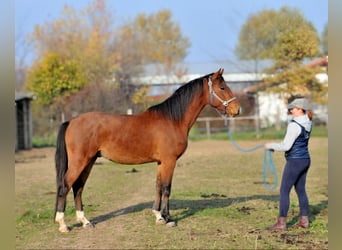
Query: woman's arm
{"x": 292, "y": 132}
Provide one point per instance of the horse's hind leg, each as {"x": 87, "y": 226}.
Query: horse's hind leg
{"x": 68, "y": 180}
{"x": 60, "y": 208}
{"x": 78, "y": 187}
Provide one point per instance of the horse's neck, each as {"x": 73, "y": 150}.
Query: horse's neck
{"x": 193, "y": 111}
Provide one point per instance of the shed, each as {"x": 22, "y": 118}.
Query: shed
{"x": 23, "y": 121}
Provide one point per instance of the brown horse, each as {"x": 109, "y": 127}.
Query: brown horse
{"x": 160, "y": 134}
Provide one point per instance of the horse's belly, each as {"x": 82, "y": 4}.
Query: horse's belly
{"x": 127, "y": 156}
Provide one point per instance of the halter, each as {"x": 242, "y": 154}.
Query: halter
{"x": 212, "y": 94}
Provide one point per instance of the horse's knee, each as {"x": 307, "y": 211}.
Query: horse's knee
{"x": 166, "y": 190}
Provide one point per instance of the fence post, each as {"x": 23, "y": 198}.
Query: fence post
{"x": 207, "y": 126}
{"x": 257, "y": 116}
{"x": 232, "y": 125}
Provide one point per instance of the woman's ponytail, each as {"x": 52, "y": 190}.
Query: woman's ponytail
{"x": 310, "y": 114}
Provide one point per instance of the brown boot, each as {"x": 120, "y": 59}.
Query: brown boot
{"x": 280, "y": 225}
{"x": 303, "y": 222}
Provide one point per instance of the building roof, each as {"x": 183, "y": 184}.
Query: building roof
{"x": 234, "y": 71}
{"x": 320, "y": 62}
{"x": 160, "y": 80}
{"x": 322, "y": 77}
{"x": 230, "y": 67}
{"x": 20, "y": 96}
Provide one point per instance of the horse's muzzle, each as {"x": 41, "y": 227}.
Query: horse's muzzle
{"x": 234, "y": 110}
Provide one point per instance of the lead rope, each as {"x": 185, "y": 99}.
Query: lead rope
{"x": 267, "y": 152}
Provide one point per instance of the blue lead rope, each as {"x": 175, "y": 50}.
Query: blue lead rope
{"x": 271, "y": 169}
{"x": 267, "y": 152}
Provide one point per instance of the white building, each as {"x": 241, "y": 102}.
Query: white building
{"x": 270, "y": 108}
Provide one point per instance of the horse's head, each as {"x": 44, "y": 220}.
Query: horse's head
{"x": 221, "y": 97}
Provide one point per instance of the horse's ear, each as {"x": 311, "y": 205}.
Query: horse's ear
{"x": 219, "y": 72}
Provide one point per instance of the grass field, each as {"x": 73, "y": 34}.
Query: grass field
{"x": 218, "y": 200}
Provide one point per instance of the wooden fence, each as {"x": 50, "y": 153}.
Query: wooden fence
{"x": 209, "y": 125}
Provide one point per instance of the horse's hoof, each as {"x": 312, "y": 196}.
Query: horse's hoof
{"x": 171, "y": 224}
{"x": 89, "y": 225}
{"x": 160, "y": 221}
{"x": 64, "y": 229}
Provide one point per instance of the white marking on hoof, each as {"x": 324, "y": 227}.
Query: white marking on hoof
{"x": 60, "y": 219}
{"x": 81, "y": 218}
{"x": 159, "y": 218}
{"x": 171, "y": 224}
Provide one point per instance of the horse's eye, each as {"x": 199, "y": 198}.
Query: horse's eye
{"x": 222, "y": 88}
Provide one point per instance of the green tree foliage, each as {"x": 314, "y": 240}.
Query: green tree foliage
{"x": 287, "y": 39}
{"x": 55, "y": 77}
{"x": 264, "y": 32}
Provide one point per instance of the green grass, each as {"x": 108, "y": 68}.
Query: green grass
{"x": 47, "y": 141}
{"x": 217, "y": 199}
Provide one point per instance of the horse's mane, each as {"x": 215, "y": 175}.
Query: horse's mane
{"x": 176, "y": 105}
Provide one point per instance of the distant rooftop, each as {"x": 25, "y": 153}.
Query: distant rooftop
{"x": 239, "y": 71}
{"x": 20, "y": 96}
{"x": 230, "y": 67}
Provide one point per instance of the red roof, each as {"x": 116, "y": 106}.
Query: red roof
{"x": 321, "y": 62}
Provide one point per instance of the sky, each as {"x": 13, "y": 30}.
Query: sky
{"x": 211, "y": 26}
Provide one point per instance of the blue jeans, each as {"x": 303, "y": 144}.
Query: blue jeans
{"x": 294, "y": 174}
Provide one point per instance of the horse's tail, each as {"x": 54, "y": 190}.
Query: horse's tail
{"x": 61, "y": 160}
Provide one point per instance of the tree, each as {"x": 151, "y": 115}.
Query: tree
{"x": 161, "y": 39}
{"x": 85, "y": 37}
{"x": 286, "y": 38}
{"x": 257, "y": 36}
{"x": 54, "y": 78}
{"x": 108, "y": 55}
{"x": 148, "y": 39}
{"x": 324, "y": 40}
{"x": 83, "y": 62}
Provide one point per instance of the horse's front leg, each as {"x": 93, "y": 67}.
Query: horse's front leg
{"x": 157, "y": 201}
{"x": 163, "y": 186}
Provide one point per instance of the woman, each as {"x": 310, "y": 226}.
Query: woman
{"x": 295, "y": 146}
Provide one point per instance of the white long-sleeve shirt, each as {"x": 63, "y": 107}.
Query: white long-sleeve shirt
{"x": 292, "y": 132}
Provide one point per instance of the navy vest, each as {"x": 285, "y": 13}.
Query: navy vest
{"x": 299, "y": 148}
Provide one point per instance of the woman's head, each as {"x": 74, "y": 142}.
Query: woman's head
{"x": 299, "y": 103}
{"x": 299, "y": 107}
